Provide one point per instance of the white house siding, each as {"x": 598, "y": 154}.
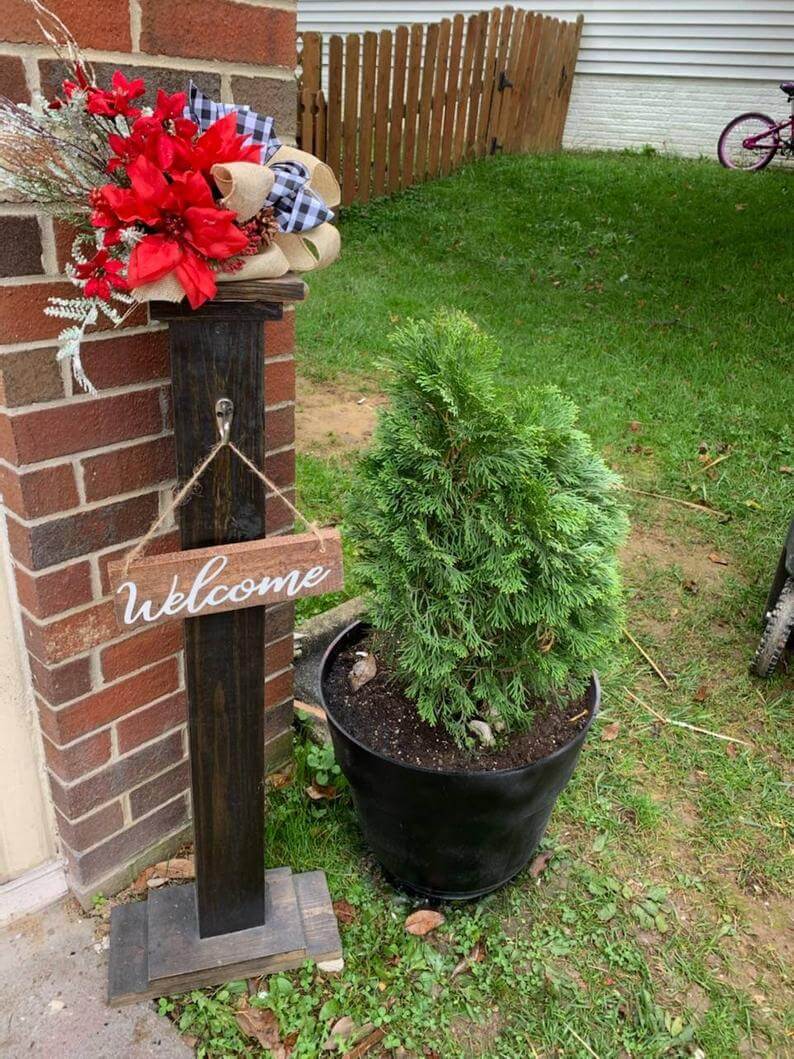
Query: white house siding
{"x": 669, "y": 73}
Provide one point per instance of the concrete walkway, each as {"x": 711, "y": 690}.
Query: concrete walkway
{"x": 52, "y": 997}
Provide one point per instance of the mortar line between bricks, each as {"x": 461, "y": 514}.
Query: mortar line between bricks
{"x": 87, "y": 507}
{"x": 70, "y": 786}
{"x": 86, "y": 398}
{"x": 111, "y": 728}
{"x": 96, "y": 886}
{"x": 135, "y": 25}
{"x": 86, "y": 454}
{"x": 158, "y": 61}
{"x": 109, "y": 685}
{"x": 121, "y": 830}
{"x": 57, "y": 567}
{"x": 99, "y": 336}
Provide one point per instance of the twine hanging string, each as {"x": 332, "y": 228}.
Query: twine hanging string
{"x": 183, "y": 494}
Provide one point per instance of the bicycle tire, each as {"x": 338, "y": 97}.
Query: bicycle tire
{"x": 777, "y": 632}
{"x": 763, "y": 160}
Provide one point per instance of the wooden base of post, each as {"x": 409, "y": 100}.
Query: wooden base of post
{"x": 156, "y": 950}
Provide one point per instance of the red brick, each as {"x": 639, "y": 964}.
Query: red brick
{"x": 20, "y": 244}
{"x": 13, "y": 83}
{"x": 277, "y": 718}
{"x": 31, "y": 494}
{"x": 133, "y": 467}
{"x": 278, "y": 516}
{"x": 167, "y": 542}
{"x": 75, "y": 760}
{"x": 90, "y": 867}
{"x": 127, "y": 359}
{"x": 279, "y": 655}
{"x": 280, "y": 620}
{"x": 159, "y": 790}
{"x": 48, "y": 543}
{"x": 59, "y": 684}
{"x": 280, "y": 468}
{"x": 279, "y": 381}
{"x": 91, "y": 829}
{"x": 64, "y": 236}
{"x": 220, "y": 29}
{"x": 278, "y": 688}
{"x": 30, "y": 375}
{"x": 101, "y": 707}
{"x": 52, "y": 593}
{"x": 94, "y": 23}
{"x": 279, "y": 428}
{"x": 27, "y": 437}
{"x": 65, "y": 637}
{"x": 22, "y": 316}
{"x": 147, "y": 724}
{"x": 280, "y": 335}
{"x": 141, "y": 650}
{"x": 80, "y": 798}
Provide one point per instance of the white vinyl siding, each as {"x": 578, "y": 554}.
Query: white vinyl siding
{"x": 739, "y": 39}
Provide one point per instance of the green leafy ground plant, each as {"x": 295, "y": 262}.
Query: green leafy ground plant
{"x": 487, "y": 530}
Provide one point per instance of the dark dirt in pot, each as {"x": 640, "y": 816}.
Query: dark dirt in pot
{"x": 380, "y": 716}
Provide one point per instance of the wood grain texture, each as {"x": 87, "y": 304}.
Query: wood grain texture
{"x": 369, "y": 71}
{"x": 224, "y": 656}
{"x": 397, "y": 108}
{"x": 426, "y": 102}
{"x": 156, "y": 579}
{"x": 334, "y": 105}
{"x": 228, "y": 957}
{"x": 451, "y": 101}
{"x": 437, "y": 115}
{"x": 382, "y": 113}
{"x": 412, "y": 103}
{"x": 350, "y": 125}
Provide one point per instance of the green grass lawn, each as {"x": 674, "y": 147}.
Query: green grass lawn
{"x": 657, "y": 293}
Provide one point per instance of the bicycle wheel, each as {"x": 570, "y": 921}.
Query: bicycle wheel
{"x": 731, "y": 147}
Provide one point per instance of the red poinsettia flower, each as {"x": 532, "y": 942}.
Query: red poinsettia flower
{"x": 222, "y": 143}
{"x": 186, "y": 228}
{"x": 164, "y": 137}
{"x": 116, "y": 101}
{"x": 102, "y": 275}
{"x": 70, "y": 87}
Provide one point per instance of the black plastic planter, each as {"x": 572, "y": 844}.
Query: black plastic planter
{"x": 450, "y": 835}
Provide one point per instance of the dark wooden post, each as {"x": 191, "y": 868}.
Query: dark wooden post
{"x": 218, "y": 353}
{"x": 239, "y": 919}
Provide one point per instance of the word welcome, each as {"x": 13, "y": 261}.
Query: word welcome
{"x": 212, "y": 580}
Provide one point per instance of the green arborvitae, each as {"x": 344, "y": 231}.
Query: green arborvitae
{"x": 487, "y": 530}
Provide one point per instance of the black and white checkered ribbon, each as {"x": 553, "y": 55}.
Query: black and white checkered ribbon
{"x": 296, "y": 207}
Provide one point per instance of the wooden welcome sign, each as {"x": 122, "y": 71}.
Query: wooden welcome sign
{"x": 204, "y": 581}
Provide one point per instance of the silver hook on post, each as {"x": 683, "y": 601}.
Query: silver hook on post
{"x": 224, "y": 411}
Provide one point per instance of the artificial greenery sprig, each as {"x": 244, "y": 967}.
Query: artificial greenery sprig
{"x": 487, "y": 530}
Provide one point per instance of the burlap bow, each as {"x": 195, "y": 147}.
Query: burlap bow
{"x": 301, "y": 189}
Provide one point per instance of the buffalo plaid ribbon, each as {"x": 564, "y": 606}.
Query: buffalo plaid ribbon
{"x": 295, "y": 207}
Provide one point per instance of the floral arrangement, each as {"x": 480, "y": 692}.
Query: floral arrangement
{"x": 166, "y": 201}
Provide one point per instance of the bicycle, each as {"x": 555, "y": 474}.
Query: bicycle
{"x": 752, "y": 140}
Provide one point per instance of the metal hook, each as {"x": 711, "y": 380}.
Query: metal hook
{"x": 224, "y": 411}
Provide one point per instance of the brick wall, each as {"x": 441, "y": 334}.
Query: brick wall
{"x": 682, "y": 115}
{"x": 82, "y": 477}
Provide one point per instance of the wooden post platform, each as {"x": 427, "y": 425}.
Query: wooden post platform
{"x": 237, "y": 921}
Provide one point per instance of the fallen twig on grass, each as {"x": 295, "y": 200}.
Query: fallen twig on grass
{"x": 582, "y": 1042}
{"x": 305, "y": 707}
{"x": 677, "y": 500}
{"x": 713, "y": 463}
{"x": 578, "y": 717}
{"x": 684, "y": 724}
{"x": 648, "y": 659}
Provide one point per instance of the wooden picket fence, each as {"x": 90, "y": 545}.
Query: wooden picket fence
{"x": 390, "y": 109}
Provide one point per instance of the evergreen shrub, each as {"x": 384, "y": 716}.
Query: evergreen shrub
{"x": 486, "y": 530}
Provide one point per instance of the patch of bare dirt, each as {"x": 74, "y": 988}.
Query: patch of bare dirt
{"x": 651, "y": 544}
{"x": 332, "y": 419}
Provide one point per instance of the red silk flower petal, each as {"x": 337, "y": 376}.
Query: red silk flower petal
{"x": 213, "y": 232}
{"x": 197, "y": 279}
{"x": 151, "y": 259}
